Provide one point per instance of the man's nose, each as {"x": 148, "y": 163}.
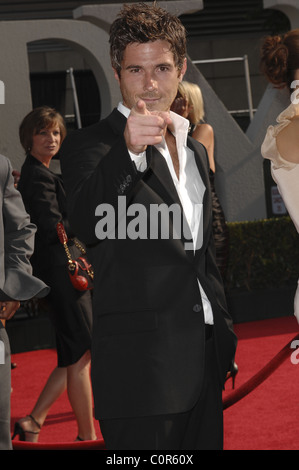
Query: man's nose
{"x": 150, "y": 83}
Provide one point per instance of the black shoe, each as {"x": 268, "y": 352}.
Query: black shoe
{"x": 232, "y": 374}
{"x": 19, "y": 431}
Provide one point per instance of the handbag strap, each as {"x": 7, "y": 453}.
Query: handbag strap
{"x": 63, "y": 240}
{"x": 61, "y": 233}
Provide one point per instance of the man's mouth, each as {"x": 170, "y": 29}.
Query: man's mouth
{"x": 150, "y": 98}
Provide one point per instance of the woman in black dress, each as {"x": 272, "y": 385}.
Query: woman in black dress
{"x": 41, "y": 133}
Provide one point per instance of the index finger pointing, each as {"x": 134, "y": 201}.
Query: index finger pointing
{"x": 140, "y": 107}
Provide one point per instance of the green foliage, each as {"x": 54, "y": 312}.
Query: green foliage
{"x": 263, "y": 254}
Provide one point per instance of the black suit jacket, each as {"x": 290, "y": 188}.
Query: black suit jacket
{"x": 44, "y": 198}
{"x": 148, "y": 330}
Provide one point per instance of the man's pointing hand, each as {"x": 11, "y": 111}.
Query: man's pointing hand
{"x": 145, "y": 128}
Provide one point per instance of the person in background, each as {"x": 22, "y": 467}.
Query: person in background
{"x": 16, "y": 280}
{"x": 41, "y": 133}
{"x": 162, "y": 337}
{"x": 280, "y": 64}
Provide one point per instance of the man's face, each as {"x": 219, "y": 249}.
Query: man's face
{"x": 149, "y": 73}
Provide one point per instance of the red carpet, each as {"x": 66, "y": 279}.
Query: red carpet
{"x": 265, "y": 419}
{"x": 60, "y": 429}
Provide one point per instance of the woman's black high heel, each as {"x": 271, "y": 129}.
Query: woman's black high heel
{"x": 19, "y": 431}
{"x": 232, "y": 374}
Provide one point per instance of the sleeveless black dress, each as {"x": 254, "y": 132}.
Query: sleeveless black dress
{"x": 220, "y": 230}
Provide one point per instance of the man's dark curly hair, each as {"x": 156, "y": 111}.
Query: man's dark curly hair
{"x": 141, "y": 23}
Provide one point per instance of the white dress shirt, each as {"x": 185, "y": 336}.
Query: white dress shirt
{"x": 189, "y": 186}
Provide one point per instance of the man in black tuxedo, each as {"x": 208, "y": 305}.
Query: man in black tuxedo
{"x": 162, "y": 338}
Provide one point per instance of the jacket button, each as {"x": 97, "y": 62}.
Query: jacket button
{"x": 197, "y": 308}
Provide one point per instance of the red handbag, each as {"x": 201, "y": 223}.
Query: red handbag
{"x": 80, "y": 270}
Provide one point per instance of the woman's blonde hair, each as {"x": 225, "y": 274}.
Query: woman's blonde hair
{"x": 194, "y": 96}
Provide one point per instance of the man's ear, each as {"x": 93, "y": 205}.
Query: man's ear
{"x": 183, "y": 69}
{"x": 115, "y": 74}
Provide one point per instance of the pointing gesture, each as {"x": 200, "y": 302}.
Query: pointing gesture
{"x": 145, "y": 128}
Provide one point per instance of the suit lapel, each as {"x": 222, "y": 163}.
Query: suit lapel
{"x": 161, "y": 181}
{"x": 159, "y": 167}
{"x": 203, "y": 168}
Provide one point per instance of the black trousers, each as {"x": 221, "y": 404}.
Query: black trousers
{"x": 201, "y": 428}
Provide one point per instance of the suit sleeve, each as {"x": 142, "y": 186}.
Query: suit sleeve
{"x": 93, "y": 175}
{"x": 17, "y": 280}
